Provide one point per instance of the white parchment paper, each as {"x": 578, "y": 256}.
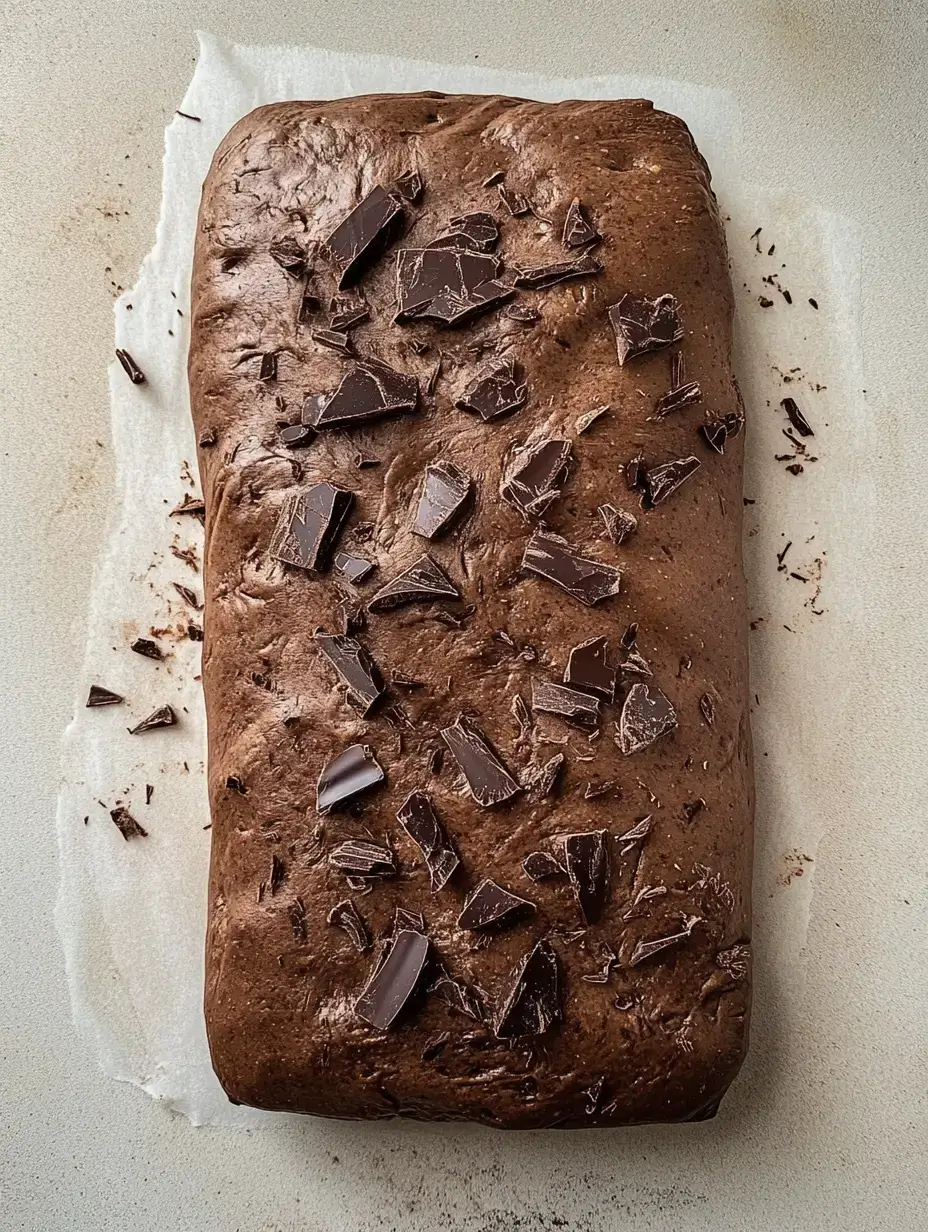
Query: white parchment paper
{"x": 132, "y": 915}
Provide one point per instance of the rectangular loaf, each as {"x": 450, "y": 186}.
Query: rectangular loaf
{"x": 481, "y": 814}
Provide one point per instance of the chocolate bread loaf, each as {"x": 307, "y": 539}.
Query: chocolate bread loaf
{"x": 475, "y": 635}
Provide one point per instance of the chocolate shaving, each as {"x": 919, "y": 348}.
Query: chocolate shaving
{"x": 353, "y": 568}
{"x": 369, "y": 390}
{"x": 647, "y": 949}
{"x": 296, "y": 913}
{"x": 588, "y": 668}
{"x": 677, "y": 370}
{"x": 642, "y": 325}
{"x": 513, "y": 200}
{"x": 538, "y": 277}
{"x": 278, "y": 874}
{"x": 193, "y": 505}
{"x": 489, "y": 781}
{"x": 534, "y": 479}
{"x": 588, "y": 418}
{"x": 458, "y": 996}
{"x": 313, "y": 406}
{"x": 597, "y": 788}
{"x": 579, "y": 709}
{"x": 618, "y": 523}
{"x": 634, "y": 473}
{"x": 99, "y": 696}
{"x": 130, "y": 367}
{"x": 268, "y": 370}
{"x": 333, "y": 338}
{"x": 407, "y": 919}
{"x": 707, "y": 708}
{"x": 796, "y": 417}
{"x": 289, "y": 256}
{"x": 678, "y": 398}
{"x": 348, "y": 310}
{"x": 419, "y": 820}
{"x": 409, "y": 185}
{"x": 297, "y": 436}
{"x": 444, "y": 493}
{"x": 588, "y": 870}
{"x": 447, "y": 285}
{"x": 360, "y": 858}
{"x": 402, "y": 681}
{"x": 522, "y": 313}
{"x": 549, "y": 556}
{"x": 234, "y": 783}
{"x": 544, "y": 778}
{"x": 423, "y": 582}
{"x": 533, "y": 1003}
{"x": 346, "y": 916}
{"x": 355, "y": 668}
{"x": 578, "y": 230}
{"x": 126, "y": 824}
{"x": 499, "y": 390}
{"x": 646, "y": 716}
{"x": 714, "y": 433}
{"x": 662, "y": 481}
{"x": 346, "y": 776}
{"x": 147, "y": 648}
{"x": 491, "y": 906}
{"x": 522, "y": 714}
{"x": 364, "y": 235}
{"x": 394, "y": 979}
{"x": 541, "y": 866}
{"x": 638, "y": 833}
{"x": 308, "y": 526}
{"x": 629, "y": 638}
{"x": 635, "y": 665}
{"x": 351, "y": 615}
{"x": 164, "y": 716}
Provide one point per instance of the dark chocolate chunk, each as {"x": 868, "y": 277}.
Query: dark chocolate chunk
{"x": 445, "y": 491}
{"x": 297, "y": 436}
{"x": 642, "y": 325}
{"x": 513, "y": 200}
{"x": 364, "y": 235}
{"x": 541, "y": 866}
{"x": 348, "y": 310}
{"x": 496, "y": 391}
{"x": 370, "y": 390}
{"x": 360, "y": 858}
{"x": 537, "y": 277}
{"x": 535, "y": 475}
{"x": 477, "y": 231}
{"x": 145, "y": 646}
{"x": 99, "y": 696}
{"x": 553, "y": 558}
{"x": 588, "y": 418}
{"x": 289, "y": 256}
{"x": 126, "y": 824}
{"x": 352, "y": 772}
{"x": 268, "y": 370}
{"x": 588, "y": 668}
{"x": 796, "y": 469}
{"x": 662, "y": 481}
{"x": 544, "y": 778}
{"x": 522, "y": 313}
{"x": 578, "y": 230}
{"x": 488, "y": 779}
{"x": 490, "y": 906}
{"x": 308, "y": 525}
{"x": 647, "y": 949}
{"x": 409, "y": 185}
{"x": 394, "y": 979}
{"x": 707, "y": 708}
{"x": 334, "y": 338}
{"x": 355, "y": 667}
{"x": 634, "y": 473}
{"x": 796, "y": 417}
{"x": 195, "y": 506}
{"x": 588, "y": 870}
{"x": 692, "y": 807}
{"x": 164, "y": 716}
{"x": 493, "y": 178}
{"x": 635, "y": 665}
{"x": 423, "y": 582}
{"x": 714, "y": 433}
{"x": 678, "y": 398}
{"x": 574, "y": 707}
{"x": 618, "y": 523}
{"x": 458, "y": 996}
{"x": 234, "y": 783}
{"x": 345, "y": 915}
{"x": 533, "y": 1003}
{"x": 646, "y": 715}
{"x": 354, "y": 568}
{"x": 629, "y": 638}
{"x": 130, "y": 367}
{"x": 418, "y": 819}
{"x": 447, "y": 285}
{"x": 296, "y": 913}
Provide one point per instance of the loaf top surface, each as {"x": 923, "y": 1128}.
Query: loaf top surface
{"x": 377, "y": 943}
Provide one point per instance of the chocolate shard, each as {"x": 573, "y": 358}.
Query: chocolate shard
{"x": 447, "y": 285}
{"x": 489, "y": 781}
{"x": 542, "y": 866}
{"x": 543, "y": 779}
{"x": 619, "y": 524}
{"x": 313, "y": 406}
{"x": 195, "y": 506}
{"x": 345, "y": 915}
{"x": 491, "y": 906}
{"x": 126, "y": 824}
{"x": 549, "y": 556}
{"x": 351, "y": 617}
{"x": 348, "y": 310}
{"x": 364, "y": 235}
{"x": 579, "y": 709}
{"x": 289, "y": 255}
{"x": 308, "y": 525}
{"x": 796, "y": 417}
{"x": 334, "y": 338}
{"x": 678, "y": 398}
{"x": 522, "y": 313}
{"x": 147, "y": 648}
{"x": 459, "y": 996}
{"x": 537, "y": 277}
{"x": 629, "y": 639}
{"x": 360, "y": 858}
{"x": 646, "y": 716}
{"x": 734, "y": 422}
{"x": 99, "y": 696}
{"x": 638, "y": 833}
{"x": 353, "y": 568}
{"x": 355, "y": 667}
{"x": 707, "y": 708}
{"x": 444, "y": 493}
{"x": 535, "y": 477}
{"x": 164, "y": 716}
{"x": 394, "y": 979}
{"x": 369, "y": 390}
{"x": 515, "y": 202}
{"x": 714, "y": 433}
{"x": 409, "y": 185}
{"x": 635, "y": 665}
{"x": 533, "y": 1004}
{"x": 268, "y": 369}
{"x": 130, "y": 367}
{"x": 477, "y": 231}
{"x": 677, "y": 370}
{"x": 642, "y": 325}
{"x": 578, "y": 230}
{"x": 588, "y": 668}
{"x": 662, "y": 481}
{"x": 498, "y": 390}
{"x": 588, "y": 870}
{"x": 634, "y": 473}
{"x": 297, "y": 436}
{"x": 419, "y": 820}
{"x": 296, "y": 913}
{"x": 407, "y": 919}
{"x": 423, "y": 582}
{"x": 647, "y": 949}
{"x": 346, "y": 776}
{"x": 588, "y": 418}
{"x": 522, "y": 714}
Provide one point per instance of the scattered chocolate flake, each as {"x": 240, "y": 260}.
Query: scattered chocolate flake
{"x": 588, "y": 418}
{"x": 402, "y": 681}
{"x": 677, "y": 399}
{"x": 394, "y": 979}
{"x": 364, "y": 235}
{"x": 538, "y": 277}
{"x": 629, "y": 638}
{"x": 578, "y": 230}
{"x": 549, "y": 556}
{"x": 796, "y": 469}
{"x": 149, "y": 792}
{"x": 346, "y": 916}
{"x": 491, "y": 906}
{"x": 637, "y": 833}
{"x": 409, "y": 185}
{"x": 618, "y": 523}
{"x": 407, "y": 919}
{"x": 296, "y": 913}
{"x": 588, "y": 870}
{"x": 308, "y": 525}
{"x": 145, "y": 646}
{"x": 646, "y": 716}
{"x": 435, "y": 1046}
{"x": 647, "y": 949}
{"x": 707, "y": 708}
{"x": 354, "y": 568}
{"x": 334, "y": 338}
{"x": 522, "y": 313}
{"x": 289, "y": 255}
{"x": 498, "y": 390}
{"x": 447, "y": 285}
{"x": 130, "y": 367}
{"x": 436, "y": 760}
{"x": 692, "y": 807}
{"x": 478, "y": 231}
{"x": 347, "y": 311}
{"x": 813, "y": 302}
{"x": 535, "y": 476}
{"x": 543, "y": 779}
{"x": 588, "y": 668}
{"x": 522, "y": 714}
{"x": 786, "y": 295}
{"x": 234, "y": 783}
{"x": 360, "y": 858}
{"x": 597, "y": 788}
{"x": 193, "y": 505}
{"x": 735, "y": 960}
{"x": 764, "y": 301}
{"x": 662, "y": 481}
{"x": 352, "y": 772}
{"x": 513, "y": 200}
{"x": 677, "y": 370}
{"x": 313, "y": 406}
{"x": 187, "y": 116}
{"x": 355, "y": 668}
{"x": 126, "y": 824}
{"x": 309, "y": 303}
{"x": 445, "y": 492}
{"x": 541, "y": 865}
{"x": 207, "y": 437}
{"x": 99, "y": 696}
{"x": 351, "y": 615}
{"x": 714, "y": 433}
{"x": 297, "y": 436}
{"x": 458, "y": 996}
{"x": 164, "y": 716}
{"x": 533, "y": 1004}
{"x": 268, "y": 370}
{"x": 642, "y": 325}
{"x": 278, "y": 874}
{"x": 489, "y": 781}
{"x": 368, "y": 391}
{"x": 419, "y": 820}
{"x": 796, "y": 417}
{"x": 569, "y": 704}
{"x": 423, "y": 582}
{"x": 635, "y": 664}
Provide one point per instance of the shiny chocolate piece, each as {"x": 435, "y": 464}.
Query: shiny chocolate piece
{"x": 538, "y": 277}
{"x": 360, "y": 858}
{"x": 588, "y": 869}
{"x": 308, "y": 526}
{"x": 542, "y": 866}
{"x": 164, "y": 716}
{"x": 348, "y": 310}
{"x": 268, "y": 369}
{"x": 635, "y": 665}
{"x": 297, "y": 436}
{"x": 477, "y": 231}
{"x": 444, "y": 493}
{"x": 535, "y": 477}
{"x": 662, "y": 481}
{"x": 796, "y": 417}
{"x": 492, "y": 906}
{"x": 355, "y": 668}
{"x": 578, "y": 230}
{"x": 634, "y": 473}
{"x": 459, "y": 996}
{"x": 588, "y": 418}
{"x": 147, "y": 648}
{"x": 551, "y": 557}
{"x": 514, "y": 201}
{"x": 647, "y": 949}
{"x": 533, "y": 1003}
{"x": 394, "y": 979}
{"x": 99, "y": 696}
{"x": 364, "y": 235}
{"x": 646, "y": 716}
{"x": 642, "y": 325}
{"x": 336, "y": 339}
{"x": 289, "y": 255}
{"x": 714, "y": 433}
{"x": 369, "y": 390}
{"x": 707, "y": 708}
{"x": 447, "y": 285}
{"x": 349, "y": 774}
{"x": 619, "y": 523}
{"x": 588, "y": 668}
{"x": 353, "y": 568}
{"x": 489, "y": 781}
{"x": 498, "y": 390}
{"x": 579, "y": 709}
{"x": 126, "y": 824}
{"x": 130, "y": 367}
{"x": 419, "y": 820}
{"x": 678, "y": 398}
{"x": 345, "y": 915}
{"x": 409, "y": 185}
{"x": 423, "y": 582}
